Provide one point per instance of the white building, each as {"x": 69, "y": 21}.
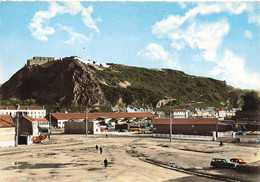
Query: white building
{"x": 32, "y": 111}
{"x": 7, "y": 131}
{"x": 220, "y": 113}
{"x": 179, "y": 113}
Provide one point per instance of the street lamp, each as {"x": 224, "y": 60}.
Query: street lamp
{"x": 171, "y": 126}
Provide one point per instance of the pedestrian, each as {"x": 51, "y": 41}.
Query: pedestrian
{"x": 105, "y": 163}
{"x": 106, "y": 136}
{"x": 96, "y": 147}
{"x": 101, "y": 150}
{"x": 221, "y": 143}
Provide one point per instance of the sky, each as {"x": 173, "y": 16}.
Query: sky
{"x": 220, "y": 40}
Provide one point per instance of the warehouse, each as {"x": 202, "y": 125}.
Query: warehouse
{"x": 186, "y": 126}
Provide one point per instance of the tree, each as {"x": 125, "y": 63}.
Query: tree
{"x": 251, "y": 101}
{"x": 30, "y": 102}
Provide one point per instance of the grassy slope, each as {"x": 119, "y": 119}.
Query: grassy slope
{"x": 149, "y": 86}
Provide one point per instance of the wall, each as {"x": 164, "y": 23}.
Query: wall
{"x": 7, "y": 137}
{"x": 186, "y": 129}
{"x": 39, "y": 60}
{"x": 80, "y": 128}
{"x": 35, "y": 128}
{"x": 24, "y": 127}
{"x": 75, "y": 127}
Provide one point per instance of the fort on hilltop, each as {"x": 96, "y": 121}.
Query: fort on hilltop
{"x": 39, "y": 60}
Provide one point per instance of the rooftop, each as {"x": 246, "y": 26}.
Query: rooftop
{"x": 34, "y": 119}
{"x": 67, "y": 116}
{"x": 6, "y": 121}
{"x": 22, "y": 108}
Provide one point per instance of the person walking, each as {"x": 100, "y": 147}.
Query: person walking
{"x": 106, "y": 136}
{"x": 101, "y": 150}
{"x": 105, "y": 163}
{"x": 96, "y": 147}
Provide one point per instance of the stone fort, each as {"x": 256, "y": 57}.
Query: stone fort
{"x": 39, "y": 60}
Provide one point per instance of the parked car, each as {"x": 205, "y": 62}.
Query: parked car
{"x": 238, "y": 160}
{"x": 135, "y": 128}
{"x": 240, "y": 133}
{"x": 223, "y": 163}
{"x": 250, "y": 133}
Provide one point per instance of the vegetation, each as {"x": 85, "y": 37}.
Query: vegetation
{"x": 251, "y": 101}
{"x": 14, "y": 101}
{"x": 149, "y": 86}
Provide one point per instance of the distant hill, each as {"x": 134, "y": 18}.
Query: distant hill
{"x": 69, "y": 81}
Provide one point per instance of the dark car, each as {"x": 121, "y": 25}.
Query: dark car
{"x": 223, "y": 163}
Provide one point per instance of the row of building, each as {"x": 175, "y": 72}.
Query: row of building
{"x": 20, "y": 124}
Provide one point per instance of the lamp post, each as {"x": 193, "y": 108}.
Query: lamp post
{"x": 171, "y": 126}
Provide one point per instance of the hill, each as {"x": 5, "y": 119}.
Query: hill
{"x": 69, "y": 81}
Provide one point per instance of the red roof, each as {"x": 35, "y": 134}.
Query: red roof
{"x": 6, "y": 121}
{"x": 40, "y": 119}
{"x": 22, "y": 107}
{"x": 186, "y": 121}
{"x": 34, "y": 119}
{"x": 67, "y": 116}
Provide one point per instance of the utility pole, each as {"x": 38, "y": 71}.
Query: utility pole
{"x": 49, "y": 130}
{"x": 17, "y": 125}
{"x": 86, "y": 121}
{"x": 171, "y": 126}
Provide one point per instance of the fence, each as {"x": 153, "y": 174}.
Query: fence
{"x": 184, "y": 137}
{"x": 115, "y": 133}
{"x": 225, "y": 134}
{"x": 249, "y": 140}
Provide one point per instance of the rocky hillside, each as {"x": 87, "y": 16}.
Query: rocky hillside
{"x": 69, "y": 81}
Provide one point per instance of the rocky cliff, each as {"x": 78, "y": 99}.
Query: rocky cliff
{"x": 69, "y": 81}
{"x": 66, "y": 81}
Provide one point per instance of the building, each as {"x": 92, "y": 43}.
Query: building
{"x": 231, "y": 113}
{"x": 43, "y": 124}
{"x": 139, "y": 109}
{"x": 29, "y": 127}
{"x": 39, "y": 60}
{"x": 204, "y": 113}
{"x": 59, "y": 119}
{"x": 186, "y": 126}
{"x": 32, "y": 111}
{"x": 179, "y": 113}
{"x": 220, "y": 113}
{"x": 76, "y": 127}
{"x": 7, "y": 131}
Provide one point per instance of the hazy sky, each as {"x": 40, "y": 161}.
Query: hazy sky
{"x": 212, "y": 39}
